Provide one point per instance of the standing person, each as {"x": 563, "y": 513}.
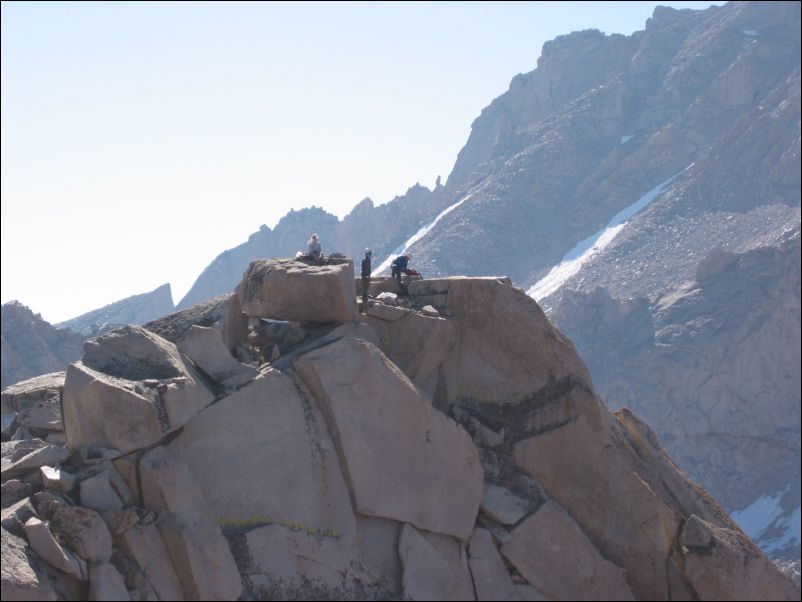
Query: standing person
{"x": 315, "y": 250}
{"x": 399, "y": 267}
{"x": 366, "y": 271}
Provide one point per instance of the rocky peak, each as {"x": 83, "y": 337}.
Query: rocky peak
{"x": 363, "y": 207}
{"x": 664, "y": 16}
{"x": 564, "y": 46}
{"x": 31, "y": 346}
{"x": 304, "y": 214}
{"x": 136, "y": 309}
{"x": 17, "y": 310}
{"x": 568, "y": 67}
{"x": 444, "y": 444}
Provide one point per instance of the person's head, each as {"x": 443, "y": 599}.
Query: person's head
{"x": 368, "y": 253}
{"x": 408, "y": 256}
{"x": 315, "y": 237}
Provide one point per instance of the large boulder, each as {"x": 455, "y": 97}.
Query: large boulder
{"x": 503, "y": 506}
{"x": 235, "y": 327}
{"x": 106, "y": 583}
{"x": 289, "y": 562}
{"x": 496, "y": 344}
{"x": 284, "y": 289}
{"x": 722, "y": 564}
{"x": 133, "y": 353}
{"x": 13, "y": 490}
{"x": 507, "y": 349}
{"x": 491, "y": 579}
{"x": 23, "y": 577}
{"x": 97, "y": 493}
{"x": 84, "y": 531}
{"x": 264, "y": 454}
{"x": 435, "y": 567}
{"x": 591, "y": 471}
{"x": 31, "y": 391}
{"x": 557, "y": 558}
{"x": 145, "y": 545}
{"x": 206, "y": 348}
{"x": 403, "y": 459}
{"x": 281, "y": 480}
{"x": 378, "y": 547}
{"x": 200, "y": 553}
{"x": 44, "y": 544}
{"x": 323, "y": 337}
{"x": 15, "y": 516}
{"x": 22, "y": 455}
{"x": 37, "y": 402}
{"x": 423, "y": 347}
{"x": 131, "y": 389}
{"x": 212, "y": 313}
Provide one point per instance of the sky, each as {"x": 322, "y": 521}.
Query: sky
{"x": 140, "y": 140}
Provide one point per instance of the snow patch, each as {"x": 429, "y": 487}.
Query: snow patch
{"x": 573, "y": 261}
{"x": 402, "y": 248}
{"x": 758, "y": 516}
{"x": 766, "y": 514}
{"x": 627, "y": 138}
{"x": 790, "y": 526}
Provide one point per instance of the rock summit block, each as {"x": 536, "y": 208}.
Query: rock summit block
{"x": 284, "y": 289}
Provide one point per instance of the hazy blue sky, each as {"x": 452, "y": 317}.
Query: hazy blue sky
{"x": 139, "y": 140}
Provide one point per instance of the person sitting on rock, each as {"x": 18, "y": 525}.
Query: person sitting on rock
{"x": 400, "y": 267}
{"x": 366, "y": 271}
{"x": 315, "y": 250}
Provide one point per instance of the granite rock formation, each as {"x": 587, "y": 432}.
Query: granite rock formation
{"x": 343, "y": 469}
{"x": 681, "y": 145}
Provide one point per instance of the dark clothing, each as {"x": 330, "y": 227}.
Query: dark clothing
{"x": 399, "y": 267}
{"x": 401, "y": 263}
{"x": 366, "y": 271}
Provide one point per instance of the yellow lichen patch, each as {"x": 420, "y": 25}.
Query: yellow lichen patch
{"x": 259, "y": 520}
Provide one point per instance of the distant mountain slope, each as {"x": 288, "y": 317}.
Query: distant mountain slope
{"x": 550, "y": 177}
{"x": 381, "y": 228}
{"x": 743, "y": 192}
{"x": 691, "y": 316}
{"x": 31, "y": 346}
{"x": 714, "y": 367}
{"x": 136, "y": 309}
{"x": 601, "y": 120}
